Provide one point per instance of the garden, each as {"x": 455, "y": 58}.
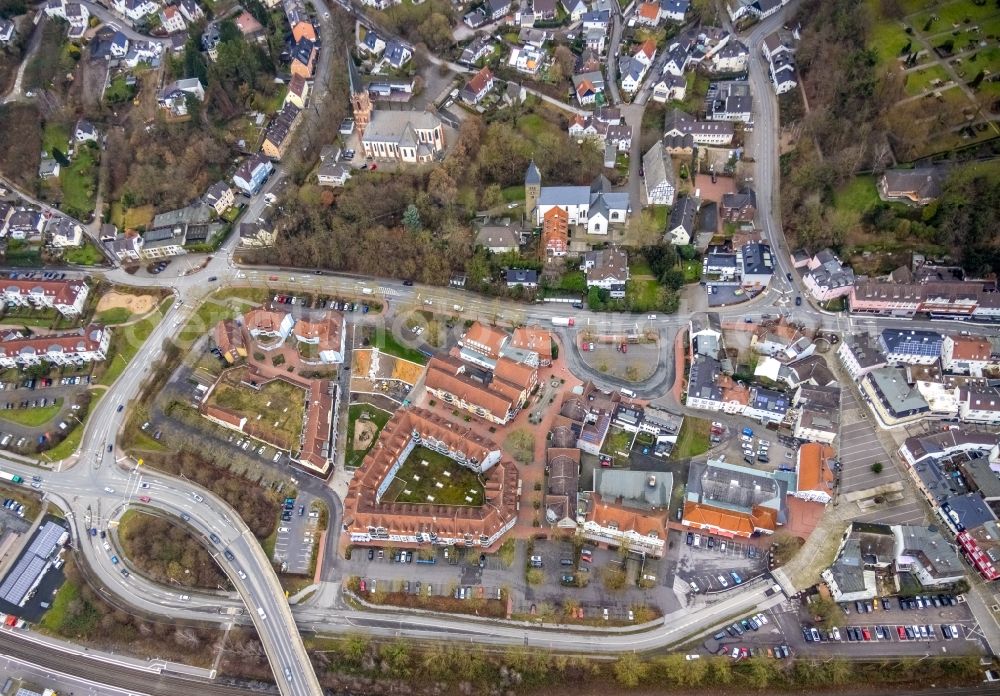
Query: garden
{"x": 429, "y": 477}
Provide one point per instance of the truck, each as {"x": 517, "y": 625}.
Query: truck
{"x": 13, "y": 478}
{"x": 563, "y": 321}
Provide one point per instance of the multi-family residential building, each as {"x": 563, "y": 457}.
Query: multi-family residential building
{"x": 679, "y": 123}
{"x": 172, "y": 20}
{"x": 67, "y": 297}
{"x": 534, "y": 339}
{"x": 257, "y": 234}
{"x": 893, "y": 400}
{"x": 929, "y": 556}
{"x": 729, "y": 101}
{"x": 610, "y": 132}
{"x": 484, "y": 340}
{"x": 64, "y": 232}
{"x": 372, "y": 517}
{"x": 669, "y": 88}
{"x": 555, "y": 233}
{"x": 658, "y": 176}
{"x": 968, "y": 355}
{"x": 278, "y": 135}
{"x": 75, "y": 13}
{"x": 7, "y": 31}
{"x": 495, "y": 396}
{"x": 622, "y": 526}
{"x": 80, "y": 347}
{"x": 252, "y": 173}
{"x": 135, "y": 9}
{"x": 478, "y": 48}
{"x": 979, "y": 404}
{"x": 756, "y": 265}
{"x": 827, "y": 278}
{"x": 767, "y": 405}
{"x": 739, "y": 207}
{"x": 607, "y": 269}
{"x": 304, "y": 57}
{"x": 191, "y": 10}
{"x": 910, "y": 346}
{"x": 859, "y": 355}
{"x": 220, "y": 196}
{"x": 779, "y": 50}
{"x": 730, "y": 58}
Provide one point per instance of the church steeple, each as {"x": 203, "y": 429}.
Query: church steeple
{"x": 532, "y": 190}
{"x": 361, "y": 103}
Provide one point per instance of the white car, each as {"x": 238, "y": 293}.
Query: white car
{"x": 282, "y": 529}
{"x": 109, "y": 489}
{"x": 184, "y": 597}
{"x": 722, "y": 580}
{"x": 762, "y": 620}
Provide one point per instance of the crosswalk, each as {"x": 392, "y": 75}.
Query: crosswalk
{"x": 387, "y": 291}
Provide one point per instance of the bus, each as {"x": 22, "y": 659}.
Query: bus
{"x": 13, "y": 478}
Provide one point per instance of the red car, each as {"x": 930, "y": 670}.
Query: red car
{"x": 586, "y": 556}
{"x": 362, "y": 586}
{"x": 867, "y": 635}
{"x": 144, "y": 498}
{"x": 902, "y": 632}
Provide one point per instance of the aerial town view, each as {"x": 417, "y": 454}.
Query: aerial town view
{"x": 455, "y": 347}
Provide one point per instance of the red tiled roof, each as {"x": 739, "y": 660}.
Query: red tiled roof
{"x": 489, "y": 336}
{"x": 814, "y": 469}
{"x": 63, "y": 292}
{"x": 534, "y": 338}
{"x": 363, "y": 511}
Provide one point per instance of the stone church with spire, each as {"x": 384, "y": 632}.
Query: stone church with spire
{"x": 413, "y": 137}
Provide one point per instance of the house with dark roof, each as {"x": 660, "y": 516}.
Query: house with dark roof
{"x": 519, "y": 277}
{"x": 680, "y": 227}
{"x": 739, "y": 207}
{"x": 678, "y": 122}
{"x": 919, "y": 186}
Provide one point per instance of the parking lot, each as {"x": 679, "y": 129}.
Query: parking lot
{"x": 452, "y": 569}
{"x": 710, "y": 563}
{"x": 297, "y": 530}
{"x": 860, "y": 448}
{"x": 889, "y": 632}
{"x": 780, "y": 451}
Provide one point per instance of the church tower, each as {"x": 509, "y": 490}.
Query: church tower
{"x": 532, "y": 190}
{"x": 361, "y": 103}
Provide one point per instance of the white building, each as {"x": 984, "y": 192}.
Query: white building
{"x": 135, "y": 9}
{"x": 607, "y": 269}
{"x": 658, "y": 176}
{"x": 65, "y": 296}
{"x": 78, "y": 347}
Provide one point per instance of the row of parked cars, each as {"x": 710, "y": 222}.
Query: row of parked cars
{"x": 779, "y": 652}
{"x": 877, "y": 633}
{"x": 14, "y": 506}
{"x": 738, "y": 628}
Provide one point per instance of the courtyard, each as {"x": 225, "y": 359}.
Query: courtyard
{"x": 364, "y": 424}
{"x": 274, "y": 411}
{"x": 429, "y": 477}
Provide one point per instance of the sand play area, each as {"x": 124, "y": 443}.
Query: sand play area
{"x": 135, "y": 304}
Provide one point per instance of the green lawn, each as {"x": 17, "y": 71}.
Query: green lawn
{"x": 639, "y": 267}
{"x": 858, "y": 195}
{"x": 693, "y": 438}
{"x": 920, "y": 81}
{"x": 692, "y": 271}
{"x": 55, "y": 136}
{"x": 31, "y": 417}
{"x": 67, "y": 446}
{"x": 886, "y": 36}
{"x": 117, "y": 315}
{"x": 532, "y": 125}
{"x": 952, "y": 13}
{"x": 274, "y": 411}
{"x": 131, "y": 218}
{"x": 84, "y": 255}
{"x": 618, "y": 445}
{"x": 661, "y": 214}
{"x": 126, "y": 341}
{"x": 642, "y": 293}
{"x": 354, "y": 457}
{"x": 387, "y": 343}
{"x": 60, "y": 620}
{"x": 79, "y": 182}
{"x": 430, "y": 477}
